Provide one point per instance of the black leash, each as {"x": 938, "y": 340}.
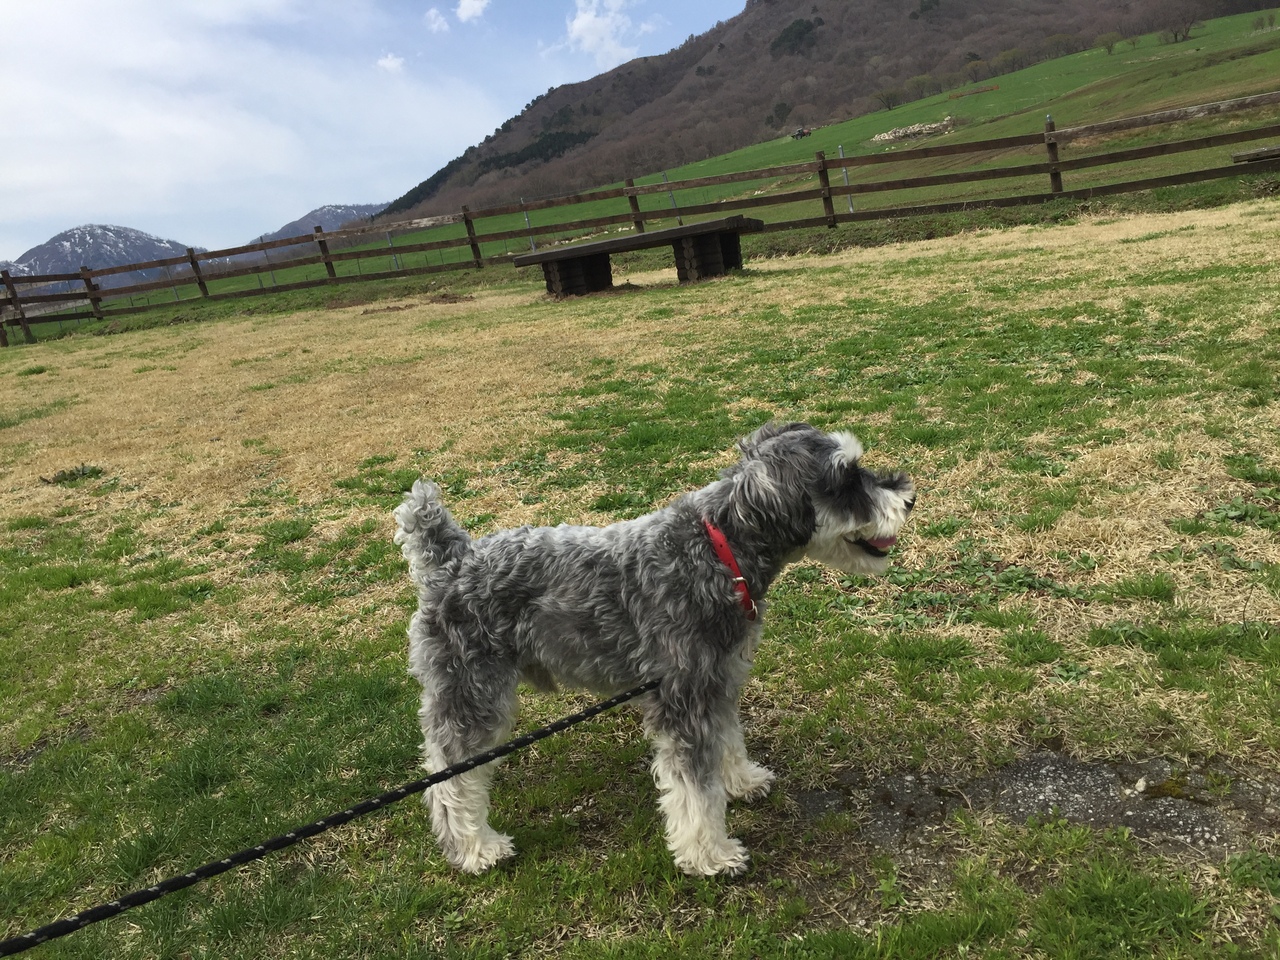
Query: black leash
{"x": 61, "y": 928}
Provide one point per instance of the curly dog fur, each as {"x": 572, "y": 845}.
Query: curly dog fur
{"x": 607, "y": 608}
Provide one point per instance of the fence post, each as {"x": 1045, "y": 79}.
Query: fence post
{"x": 1051, "y": 144}
{"x": 172, "y": 286}
{"x": 471, "y": 235}
{"x": 671, "y": 195}
{"x": 195, "y": 268}
{"x": 266, "y": 255}
{"x": 323, "y": 244}
{"x": 824, "y": 179}
{"x": 95, "y": 301}
{"x": 17, "y": 306}
{"x": 845, "y": 171}
{"x": 634, "y": 202}
{"x": 533, "y": 245}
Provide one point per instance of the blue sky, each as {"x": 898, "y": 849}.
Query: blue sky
{"x": 213, "y": 121}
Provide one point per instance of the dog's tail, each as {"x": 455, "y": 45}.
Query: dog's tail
{"x": 427, "y": 534}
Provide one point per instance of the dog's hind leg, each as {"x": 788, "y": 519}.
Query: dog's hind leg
{"x": 454, "y": 728}
{"x": 688, "y": 763}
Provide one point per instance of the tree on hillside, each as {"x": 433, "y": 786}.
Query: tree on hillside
{"x": 1108, "y": 41}
{"x": 798, "y": 37}
{"x": 781, "y": 110}
{"x": 1010, "y": 60}
{"x": 1060, "y": 45}
{"x": 889, "y": 97}
{"x": 1179, "y": 20}
{"x": 919, "y": 87}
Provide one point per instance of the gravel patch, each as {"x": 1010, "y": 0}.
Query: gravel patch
{"x": 1204, "y": 807}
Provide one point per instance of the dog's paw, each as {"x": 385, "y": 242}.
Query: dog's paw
{"x": 729, "y": 858}
{"x": 480, "y": 853}
{"x": 750, "y": 781}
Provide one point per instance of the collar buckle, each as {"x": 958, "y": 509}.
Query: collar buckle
{"x": 720, "y": 544}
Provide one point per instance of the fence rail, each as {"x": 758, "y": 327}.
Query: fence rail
{"x": 457, "y": 242}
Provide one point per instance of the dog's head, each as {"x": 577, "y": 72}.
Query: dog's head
{"x": 806, "y": 491}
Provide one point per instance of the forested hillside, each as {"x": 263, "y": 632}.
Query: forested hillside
{"x": 778, "y": 65}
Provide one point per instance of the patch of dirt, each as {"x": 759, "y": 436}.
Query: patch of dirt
{"x": 392, "y": 308}
{"x": 24, "y": 758}
{"x": 444, "y": 297}
{"x": 1206, "y": 807}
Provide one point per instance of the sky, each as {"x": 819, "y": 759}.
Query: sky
{"x": 211, "y": 122}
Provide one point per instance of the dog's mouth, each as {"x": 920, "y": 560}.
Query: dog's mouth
{"x": 878, "y": 547}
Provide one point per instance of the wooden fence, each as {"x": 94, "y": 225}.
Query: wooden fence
{"x": 341, "y": 256}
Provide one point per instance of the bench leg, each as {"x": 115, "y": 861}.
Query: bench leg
{"x": 710, "y": 255}
{"x": 571, "y": 278}
{"x": 730, "y": 250}
{"x": 597, "y": 271}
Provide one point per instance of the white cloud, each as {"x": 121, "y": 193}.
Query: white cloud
{"x": 597, "y": 28}
{"x": 210, "y": 133}
{"x": 212, "y": 122}
{"x": 436, "y": 22}
{"x": 469, "y": 10}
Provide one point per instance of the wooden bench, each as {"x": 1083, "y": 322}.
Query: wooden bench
{"x": 706, "y": 249}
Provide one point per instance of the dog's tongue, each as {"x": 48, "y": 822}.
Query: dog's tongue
{"x": 883, "y": 543}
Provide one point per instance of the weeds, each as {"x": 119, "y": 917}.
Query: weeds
{"x": 74, "y": 475}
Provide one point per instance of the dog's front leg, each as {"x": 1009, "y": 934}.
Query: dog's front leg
{"x": 743, "y": 779}
{"x": 688, "y": 771}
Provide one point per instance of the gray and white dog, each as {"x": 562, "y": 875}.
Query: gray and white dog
{"x": 676, "y": 594}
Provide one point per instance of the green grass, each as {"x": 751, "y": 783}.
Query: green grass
{"x": 169, "y": 697}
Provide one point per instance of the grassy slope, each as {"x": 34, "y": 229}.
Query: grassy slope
{"x": 1225, "y": 61}
{"x": 204, "y": 643}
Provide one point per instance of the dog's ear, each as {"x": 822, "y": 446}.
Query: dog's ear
{"x": 770, "y": 495}
{"x": 749, "y": 445}
{"x": 841, "y": 479}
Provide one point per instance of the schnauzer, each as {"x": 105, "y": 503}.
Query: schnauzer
{"x": 677, "y": 594}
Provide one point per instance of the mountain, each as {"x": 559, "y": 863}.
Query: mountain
{"x": 93, "y": 245}
{"x": 97, "y": 245}
{"x": 329, "y": 217}
{"x": 778, "y": 65}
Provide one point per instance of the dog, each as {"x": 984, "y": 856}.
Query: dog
{"x": 677, "y": 594}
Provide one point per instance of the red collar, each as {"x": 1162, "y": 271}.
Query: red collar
{"x": 720, "y": 544}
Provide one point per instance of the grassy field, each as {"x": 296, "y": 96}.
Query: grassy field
{"x": 203, "y": 613}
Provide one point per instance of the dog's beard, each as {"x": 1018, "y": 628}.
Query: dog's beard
{"x": 860, "y": 546}
{"x": 850, "y": 553}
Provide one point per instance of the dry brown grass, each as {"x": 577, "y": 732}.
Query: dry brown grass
{"x": 192, "y": 421}
{"x": 199, "y": 418}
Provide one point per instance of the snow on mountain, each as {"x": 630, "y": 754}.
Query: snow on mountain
{"x": 329, "y": 217}
{"x": 93, "y": 245}
{"x": 97, "y": 245}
